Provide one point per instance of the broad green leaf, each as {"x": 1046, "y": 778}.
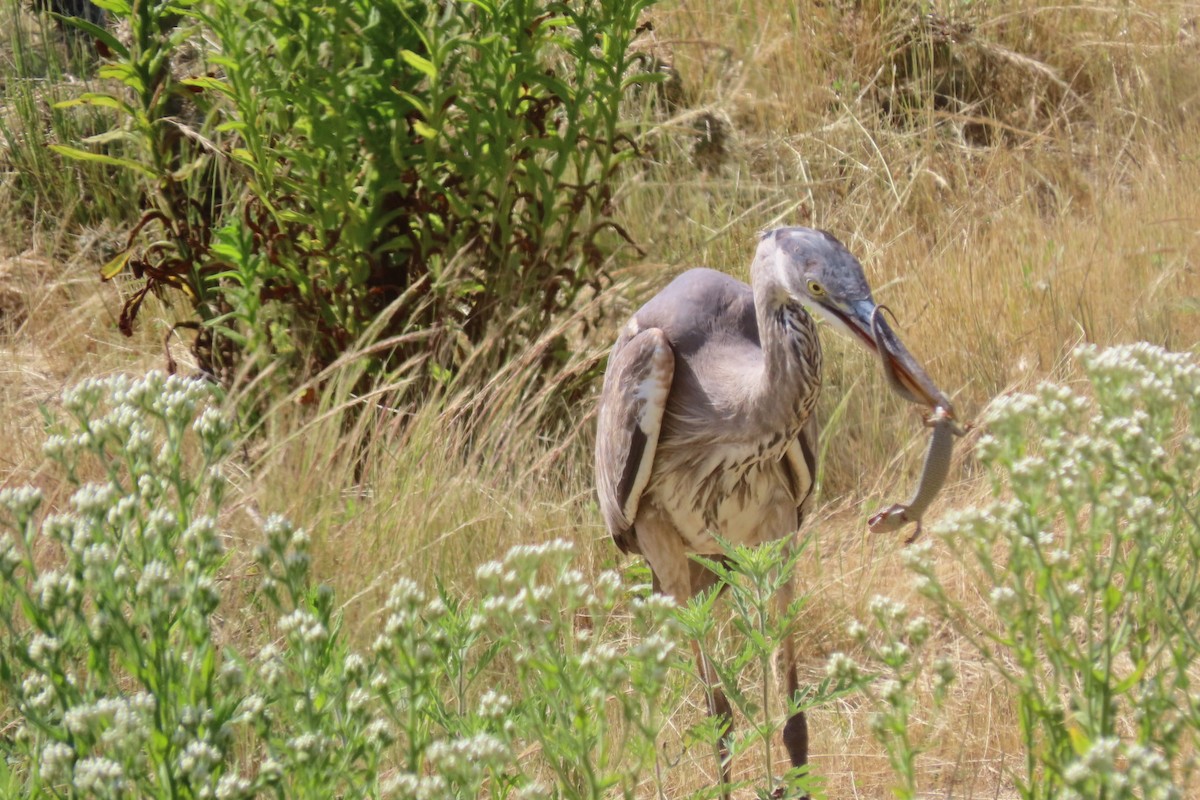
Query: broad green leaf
{"x": 115, "y": 265}
{"x": 420, "y": 63}
{"x": 1112, "y": 599}
{"x": 101, "y": 158}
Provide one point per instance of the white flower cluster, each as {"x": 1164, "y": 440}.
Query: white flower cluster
{"x": 94, "y": 499}
{"x": 54, "y": 590}
{"x": 132, "y": 404}
{"x": 308, "y": 747}
{"x": 887, "y": 610}
{"x": 468, "y": 757}
{"x": 1141, "y": 371}
{"x": 198, "y": 759}
{"x": 123, "y": 723}
{"x": 99, "y": 776}
{"x": 21, "y": 501}
{"x": 407, "y": 786}
{"x": 493, "y": 705}
{"x": 301, "y": 626}
{"x": 10, "y": 556}
{"x": 842, "y": 668}
{"x": 202, "y": 540}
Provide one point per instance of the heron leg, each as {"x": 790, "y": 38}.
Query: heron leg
{"x": 795, "y": 730}
{"x": 681, "y": 578}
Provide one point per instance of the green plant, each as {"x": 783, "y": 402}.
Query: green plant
{"x": 43, "y": 74}
{"x": 1087, "y": 556}
{"x": 121, "y": 679}
{"x": 753, "y": 578}
{"x": 893, "y": 672}
{"x": 108, "y": 657}
{"x": 451, "y": 168}
{"x": 158, "y": 138}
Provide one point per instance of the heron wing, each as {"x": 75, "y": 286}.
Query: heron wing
{"x": 636, "y": 385}
{"x": 801, "y": 460}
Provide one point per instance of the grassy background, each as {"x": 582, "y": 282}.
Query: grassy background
{"x": 1031, "y": 188}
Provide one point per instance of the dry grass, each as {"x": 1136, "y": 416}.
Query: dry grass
{"x": 1049, "y": 198}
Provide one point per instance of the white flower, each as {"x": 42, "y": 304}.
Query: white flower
{"x": 232, "y": 785}
{"x": 56, "y": 761}
{"x": 21, "y": 501}
{"x": 93, "y": 499}
{"x": 842, "y": 667}
{"x": 918, "y": 630}
{"x": 55, "y": 589}
{"x": 1003, "y": 597}
{"x": 42, "y": 647}
{"x": 379, "y": 733}
{"x": 355, "y": 666}
{"x": 886, "y": 609}
{"x": 10, "y": 557}
{"x": 493, "y": 705}
{"x": 155, "y": 577}
{"x": 198, "y": 759}
{"x": 99, "y": 776}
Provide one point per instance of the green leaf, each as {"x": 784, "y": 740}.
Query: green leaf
{"x": 107, "y": 137}
{"x": 101, "y": 158}
{"x": 118, "y": 7}
{"x": 115, "y": 265}
{"x": 243, "y": 156}
{"x": 423, "y": 129}
{"x": 1112, "y": 599}
{"x": 96, "y": 32}
{"x": 96, "y": 99}
{"x": 209, "y": 84}
{"x": 419, "y": 105}
{"x": 123, "y": 73}
{"x": 1132, "y": 679}
{"x": 420, "y": 63}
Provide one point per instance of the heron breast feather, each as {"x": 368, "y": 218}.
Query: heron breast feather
{"x": 746, "y": 499}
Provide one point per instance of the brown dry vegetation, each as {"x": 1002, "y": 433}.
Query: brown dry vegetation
{"x": 1017, "y": 179}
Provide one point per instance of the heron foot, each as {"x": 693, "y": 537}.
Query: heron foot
{"x": 795, "y": 738}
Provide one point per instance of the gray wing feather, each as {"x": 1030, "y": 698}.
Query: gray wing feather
{"x": 636, "y": 385}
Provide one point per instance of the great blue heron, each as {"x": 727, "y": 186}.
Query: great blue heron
{"x": 706, "y": 421}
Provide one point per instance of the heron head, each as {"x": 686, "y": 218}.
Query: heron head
{"x": 815, "y": 269}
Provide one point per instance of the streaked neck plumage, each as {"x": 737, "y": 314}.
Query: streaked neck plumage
{"x": 791, "y": 376}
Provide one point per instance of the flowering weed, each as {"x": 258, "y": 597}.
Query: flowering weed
{"x": 120, "y": 681}
{"x": 1087, "y": 555}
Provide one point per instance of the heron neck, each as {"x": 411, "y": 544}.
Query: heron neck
{"x": 791, "y": 377}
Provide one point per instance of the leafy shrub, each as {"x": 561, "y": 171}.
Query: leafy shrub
{"x": 1088, "y": 558}
{"x": 449, "y": 166}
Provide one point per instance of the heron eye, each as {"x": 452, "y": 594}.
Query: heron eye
{"x": 815, "y": 289}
